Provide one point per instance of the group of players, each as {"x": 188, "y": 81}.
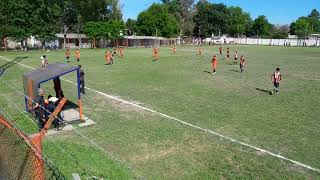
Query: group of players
{"x": 119, "y": 52}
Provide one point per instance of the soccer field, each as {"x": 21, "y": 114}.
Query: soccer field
{"x": 172, "y": 119}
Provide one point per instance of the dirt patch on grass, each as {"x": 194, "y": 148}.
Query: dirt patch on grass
{"x": 153, "y": 153}
{"x": 99, "y": 103}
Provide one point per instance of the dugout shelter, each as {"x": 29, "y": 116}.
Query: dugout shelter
{"x": 33, "y": 80}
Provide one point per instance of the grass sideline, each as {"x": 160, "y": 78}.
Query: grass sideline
{"x": 228, "y": 103}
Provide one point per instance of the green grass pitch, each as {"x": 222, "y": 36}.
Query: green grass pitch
{"x": 236, "y": 105}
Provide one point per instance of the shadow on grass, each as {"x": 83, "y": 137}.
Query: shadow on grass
{"x": 265, "y": 91}
{"x": 236, "y": 71}
{"x": 207, "y": 72}
{"x": 8, "y": 65}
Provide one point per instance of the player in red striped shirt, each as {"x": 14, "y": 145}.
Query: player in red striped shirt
{"x": 228, "y": 56}
{"x": 242, "y": 61}
{"x": 276, "y": 78}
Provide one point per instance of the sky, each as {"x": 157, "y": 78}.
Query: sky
{"x": 277, "y": 11}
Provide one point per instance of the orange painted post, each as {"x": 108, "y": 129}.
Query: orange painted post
{"x": 38, "y": 162}
{"x": 80, "y": 110}
{"x": 30, "y": 94}
{"x": 53, "y": 115}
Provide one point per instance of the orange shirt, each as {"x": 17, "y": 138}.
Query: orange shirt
{"x": 214, "y": 62}
{"x": 77, "y": 54}
{"x": 108, "y": 57}
{"x": 155, "y": 50}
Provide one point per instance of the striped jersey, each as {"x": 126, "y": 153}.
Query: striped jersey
{"x": 276, "y": 77}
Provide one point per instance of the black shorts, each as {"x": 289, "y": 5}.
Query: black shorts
{"x": 277, "y": 85}
{"x": 241, "y": 66}
{"x": 68, "y": 57}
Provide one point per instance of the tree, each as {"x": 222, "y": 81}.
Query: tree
{"x": 68, "y": 19}
{"x": 45, "y": 15}
{"x": 183, "y": 12}
{"x": 157, "y": 21}
{"x": 17, "y": 25}
{"x": 131, "y": 25}
{"x": 98, "y": 10}
{"x": 110, "y": 30}
{"x": 280, "y": 32}
{"x": 300, "y": 27}
{"x": 240, "y": 22}
{"x": 5, "y": 19}
{"x": 210, "y": 18}
{"x": 261, "y": 26}
{"x": 314, "y": 21}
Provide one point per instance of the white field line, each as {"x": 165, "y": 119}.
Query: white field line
{"x": 191, "y": 125}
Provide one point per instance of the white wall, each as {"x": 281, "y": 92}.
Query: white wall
{"x": 274, "y": 42}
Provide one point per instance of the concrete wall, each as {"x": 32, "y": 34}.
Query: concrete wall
{"x": 275, "y": 42}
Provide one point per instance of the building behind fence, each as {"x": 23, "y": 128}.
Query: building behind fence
{"x": 82, "y": 41}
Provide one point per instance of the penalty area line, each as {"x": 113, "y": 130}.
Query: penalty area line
{"x": 190, "y": 125}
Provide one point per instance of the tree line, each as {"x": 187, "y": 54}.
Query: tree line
{"x": 182, "y": 17}
{"x": 171, "y": 18}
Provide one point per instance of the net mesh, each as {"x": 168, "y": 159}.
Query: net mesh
{"x": 19, "y": 159}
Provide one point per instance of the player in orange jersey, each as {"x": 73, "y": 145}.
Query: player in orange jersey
{"x": 214, "y": 64}
{"x": 121, "y": 53}
{"x": 108, "y": 58}
{"x": 68, "y": 55}
{"x": 174, "y": 49}
{"x": 200, "y": 50}
{"x": 77, "y": 55}
{"x": 114, "y": 51}
{"x": 220, "y": 50}
{"x": 156, "y": 54}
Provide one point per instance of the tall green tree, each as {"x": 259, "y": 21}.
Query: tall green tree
{"x": 261, "y": 27}
{"x": 104, "y": 29}
{"x": 211, "y": 18}
{"x": 314, "y": 21}
{"x": 157, "y": 21}
{"x": 98, "y": 10}
{"x": 300, "y": 27}
{"x": 183, "y": 12}
{"x": 280, "y": 32}
{"x": 45, "y": 15}
{"x": 240, "y": 22}
{"x": 16, "y": 19}
{"x": 131, "y": 25}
